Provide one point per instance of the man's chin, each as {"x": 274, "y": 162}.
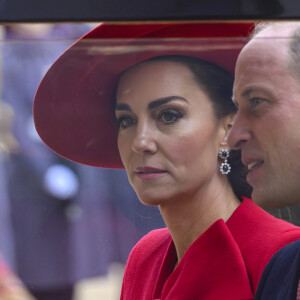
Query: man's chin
{"x": 269, "y": 201}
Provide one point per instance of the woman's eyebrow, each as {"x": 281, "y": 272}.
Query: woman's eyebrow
{"x": 158, "y": 102}
{"x": 122, "y": 106}
{"x": 153, "y": 104}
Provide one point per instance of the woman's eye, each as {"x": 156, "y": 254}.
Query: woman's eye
{"x": 125, "y": 122}
{"x": 169, "y": 117}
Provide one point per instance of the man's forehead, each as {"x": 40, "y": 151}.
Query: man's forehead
{"x": 261, "y": 58}
{"x": 269, "y": 46}
{"x": 263, "y": 64}
{"x": 278, "y": 30}
{"x": 264, "y": 50}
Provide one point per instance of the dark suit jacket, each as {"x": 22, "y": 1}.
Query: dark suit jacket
{"x": 281, "y": 276}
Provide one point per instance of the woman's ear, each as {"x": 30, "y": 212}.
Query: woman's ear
{"x": 227, "y": 124}
{"x": 230, "y": 121}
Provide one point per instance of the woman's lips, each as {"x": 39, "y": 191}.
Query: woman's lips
{"x": 147, "y": 173}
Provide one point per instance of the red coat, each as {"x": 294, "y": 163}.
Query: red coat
{"x": 225, "y": 262}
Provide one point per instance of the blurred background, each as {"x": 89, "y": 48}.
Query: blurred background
{"x": 66, "y": 230}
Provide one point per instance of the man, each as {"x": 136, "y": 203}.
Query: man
{"x": 267, "y": 130}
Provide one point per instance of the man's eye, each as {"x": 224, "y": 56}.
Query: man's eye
{"x": 256, "y": 101}
{"x": 169, "y": 117}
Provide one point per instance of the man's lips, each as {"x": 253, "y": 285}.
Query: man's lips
{"x": 254, "y": 168}
{"x": 254, "y": 164}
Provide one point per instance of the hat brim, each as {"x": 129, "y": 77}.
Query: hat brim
{"x": 74, "y": 104}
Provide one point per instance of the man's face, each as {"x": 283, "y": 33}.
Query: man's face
{"x": 267, "y": 125}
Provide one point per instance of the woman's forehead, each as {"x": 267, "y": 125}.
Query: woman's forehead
{"x": 162, "y": 65}
{"x": 163, "y": 74}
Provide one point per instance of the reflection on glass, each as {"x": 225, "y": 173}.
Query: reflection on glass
{"x": 66, "y": 229}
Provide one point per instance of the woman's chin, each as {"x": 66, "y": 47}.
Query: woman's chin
{"x": 152, "y": 199}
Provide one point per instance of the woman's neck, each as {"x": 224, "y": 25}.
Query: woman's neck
{"x": 190, "y": 216}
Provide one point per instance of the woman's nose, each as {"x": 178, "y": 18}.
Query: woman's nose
{"x": 144, "y": 140}
{"x": 239, "y": 133}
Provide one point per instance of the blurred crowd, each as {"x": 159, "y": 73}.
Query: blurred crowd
{"x": 60, "y": 222}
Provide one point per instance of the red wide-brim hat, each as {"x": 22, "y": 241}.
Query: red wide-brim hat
{"x": 74, "y": 104}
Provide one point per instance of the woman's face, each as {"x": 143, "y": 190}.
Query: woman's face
{"x": 168, "y": 137}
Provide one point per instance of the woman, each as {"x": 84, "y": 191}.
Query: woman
{"x": 171, "y": 101}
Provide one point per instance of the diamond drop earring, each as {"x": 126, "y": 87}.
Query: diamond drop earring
{"x": 225, "y": 167}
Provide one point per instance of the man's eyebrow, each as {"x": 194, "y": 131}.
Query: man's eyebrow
{"x": 158, "y": 102}
{"x": 245, "y": 94}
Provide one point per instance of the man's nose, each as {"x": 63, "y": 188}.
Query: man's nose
{"x": 239, "y": 132}
{"x": 144, "y": 140}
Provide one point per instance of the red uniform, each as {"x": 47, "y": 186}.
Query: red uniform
{"x": 225, "y": 262}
